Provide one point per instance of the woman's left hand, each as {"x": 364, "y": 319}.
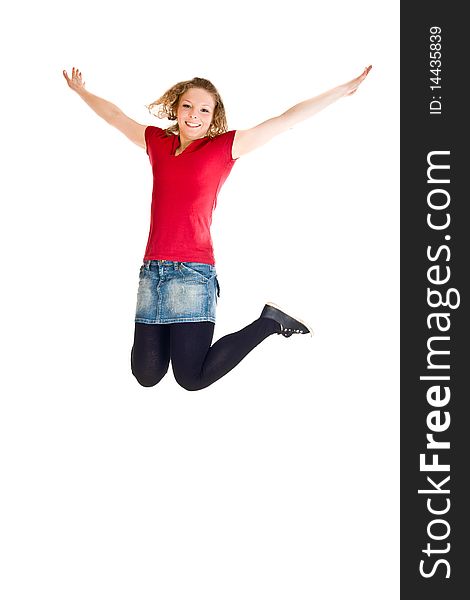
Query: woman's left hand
{"x": 351, "y": 86}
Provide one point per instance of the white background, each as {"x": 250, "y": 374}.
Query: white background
{"x": 280, "y": 480}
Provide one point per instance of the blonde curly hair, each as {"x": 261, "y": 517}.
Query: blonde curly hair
{"x": 167, "y": 105}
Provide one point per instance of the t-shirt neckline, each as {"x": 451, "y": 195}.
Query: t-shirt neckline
{"x": 178, "y": 144}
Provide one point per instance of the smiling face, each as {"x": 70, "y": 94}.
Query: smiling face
{"x": 195, "y": 113}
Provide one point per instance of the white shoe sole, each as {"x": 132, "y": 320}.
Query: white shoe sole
{"x": 292, "y": 316}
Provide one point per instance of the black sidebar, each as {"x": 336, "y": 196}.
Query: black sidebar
{"x": 435, "y": 257}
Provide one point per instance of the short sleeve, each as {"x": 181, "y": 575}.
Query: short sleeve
{"x": 225, "y": 142}
{"x": 151, "y": 134}
{"x": 231, "y": 137}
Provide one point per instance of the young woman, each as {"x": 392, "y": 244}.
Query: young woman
{"x": 178, "y": 287}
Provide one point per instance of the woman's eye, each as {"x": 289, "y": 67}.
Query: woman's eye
{"x": 186, "y": 105}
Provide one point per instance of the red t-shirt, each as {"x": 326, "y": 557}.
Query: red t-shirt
{"x": 185, "y": 189}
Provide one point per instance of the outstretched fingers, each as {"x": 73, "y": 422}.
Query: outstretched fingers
{"x": 75, "y": 81}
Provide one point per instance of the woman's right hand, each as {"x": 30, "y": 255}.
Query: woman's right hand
{"x": 75, "y": 83}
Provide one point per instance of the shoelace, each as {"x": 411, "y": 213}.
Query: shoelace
{"x": 289, "y": 330}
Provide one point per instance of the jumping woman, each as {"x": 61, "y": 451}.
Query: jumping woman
{"x": 178, "y": 287}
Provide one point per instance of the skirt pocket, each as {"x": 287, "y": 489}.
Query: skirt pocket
{"x": 198, "y": 272}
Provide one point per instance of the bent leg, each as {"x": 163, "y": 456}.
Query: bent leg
{"x": 197, "y": 364}
{"x": 150, "y": 354}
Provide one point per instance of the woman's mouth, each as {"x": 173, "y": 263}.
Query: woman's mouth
{"x": 192, "y": 125}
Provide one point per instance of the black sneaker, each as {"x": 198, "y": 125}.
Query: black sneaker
{"x": 288, "y": 324}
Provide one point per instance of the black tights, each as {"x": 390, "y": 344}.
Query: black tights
{"x": 196, "y": 364}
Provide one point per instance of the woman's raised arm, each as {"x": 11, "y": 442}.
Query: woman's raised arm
{"x": 107, "y": 110}
{"x": 247, "y": 140}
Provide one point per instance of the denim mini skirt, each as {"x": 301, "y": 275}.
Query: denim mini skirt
{"x": 176, "y": 292}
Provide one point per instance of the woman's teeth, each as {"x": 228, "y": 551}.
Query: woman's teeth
{"x": 194, "y": 125}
